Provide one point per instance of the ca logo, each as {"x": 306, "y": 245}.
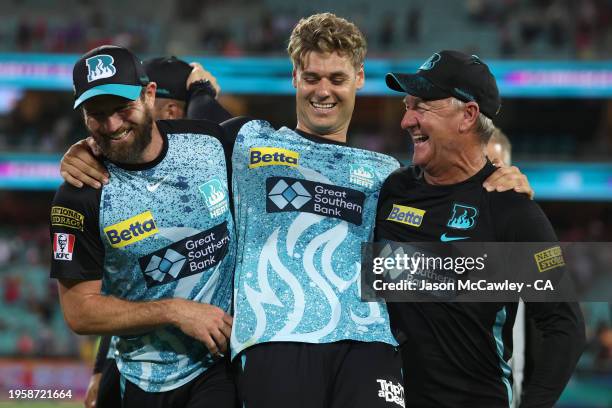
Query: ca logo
{"x": 429, "y": 64}
{"x": 100, "y": 66}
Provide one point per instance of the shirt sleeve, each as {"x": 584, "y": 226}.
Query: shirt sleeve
{"x": 77, "y": 249}
{"x": 232, "y": 126}
{"x": 560, "y": 324}
{"x": 201, "y": 104}
{"x": 563, "y": 340}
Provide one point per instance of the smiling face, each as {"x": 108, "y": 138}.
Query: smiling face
{"x": 121, "y": 127}
{"x": 326, "y": 85}
{"x": 433, "y": 127}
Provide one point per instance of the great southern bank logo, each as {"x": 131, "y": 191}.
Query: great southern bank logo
{"x": 463, "y": 217}
{"x": 288, "y": 194}
{"x": 283, "y": 194}
{"x": 189, "y": 256}
{"x": 99, "y": 67}
{"x": 170, "y": 264}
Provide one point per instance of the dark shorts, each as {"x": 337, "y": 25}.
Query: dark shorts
{"x": 109, "y": 393}
{"x": 335, "y": 375}
{"x": 214, "y": 388}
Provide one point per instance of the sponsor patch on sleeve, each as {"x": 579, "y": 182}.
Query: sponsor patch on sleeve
{"x": 549, "y": 259}
{"x": 66, "y": 217}
{"x": 63, "y": 246}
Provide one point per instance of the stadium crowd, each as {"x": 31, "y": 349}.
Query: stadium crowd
{"x": 523, "y": 28}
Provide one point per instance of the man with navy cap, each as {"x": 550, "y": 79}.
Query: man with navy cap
{"x": 149, "y": 257}
{"x": 456, "y": 354}
{"x": 183, "y": 90}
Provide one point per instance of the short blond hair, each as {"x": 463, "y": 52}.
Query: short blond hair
{"x": 325, "y": 32}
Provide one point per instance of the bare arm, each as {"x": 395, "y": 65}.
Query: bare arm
{"x": 92, "y": 390}
{"x": 87, "y": 311}
{"x": 79, "y": 165}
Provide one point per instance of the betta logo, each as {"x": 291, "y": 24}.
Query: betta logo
{"x": 271, "y": 156}
{"x": 131, "y": 230}
{"x": 406, "y": 215}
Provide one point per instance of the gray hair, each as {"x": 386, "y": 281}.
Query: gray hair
{"x": 484, "y": 125}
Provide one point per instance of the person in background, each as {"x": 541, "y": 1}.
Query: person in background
{"x": 499, "y": 148}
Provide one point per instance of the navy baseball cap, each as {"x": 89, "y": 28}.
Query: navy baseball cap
{"x": 170, "y": 74}
{"x": 108, "y": 70}
{"x": 451, "y": 73}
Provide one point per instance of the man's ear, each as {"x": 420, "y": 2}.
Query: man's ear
{"x": 360, "y": 77}
{"x": 470, "y": 116}
{"x": 150, "y": 90}
{"x": 294, "y": 77}
{"x": 173, "y": 111}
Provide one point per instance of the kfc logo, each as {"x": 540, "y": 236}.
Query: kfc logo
{"x": 63, "y": 245}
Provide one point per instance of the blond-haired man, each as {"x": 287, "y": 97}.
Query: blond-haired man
{"x": 302, "y": 337}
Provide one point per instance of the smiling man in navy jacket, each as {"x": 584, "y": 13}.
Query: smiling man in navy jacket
{"x": 456, "y": 354}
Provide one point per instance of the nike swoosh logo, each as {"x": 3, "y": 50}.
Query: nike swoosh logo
{"x": 444, "y": 238}
{"x": 152, "y": 187}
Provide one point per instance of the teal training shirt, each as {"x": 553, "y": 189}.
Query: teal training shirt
{"x": 303, "y": 208}
{"x": 156, "y": 231}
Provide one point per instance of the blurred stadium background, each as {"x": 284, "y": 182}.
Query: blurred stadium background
{"x": 552, "y": 59}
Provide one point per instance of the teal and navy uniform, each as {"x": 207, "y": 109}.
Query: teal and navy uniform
{"x": 303, "y": 207}
{"x": 159, "y": 230}
{"x": 456, "y": 353}
{"x": 200, "y": 103}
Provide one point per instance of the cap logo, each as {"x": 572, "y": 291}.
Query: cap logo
{"x": 429, "y": 64}
{"x": 99, "y": 67}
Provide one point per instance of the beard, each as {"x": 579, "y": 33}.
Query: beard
{"x": 129, "y": 152}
